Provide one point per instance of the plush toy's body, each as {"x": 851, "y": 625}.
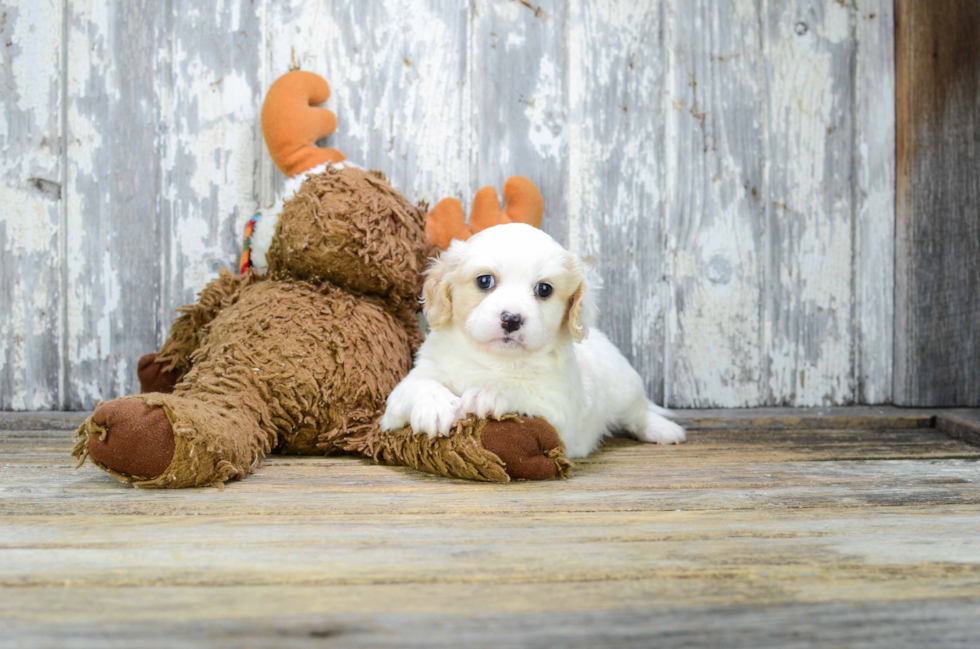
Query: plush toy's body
{"x": 300, "y": 353}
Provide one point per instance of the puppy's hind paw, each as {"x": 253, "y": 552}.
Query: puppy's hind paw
{"x": 659, "y": 430}
{"x": 434, "y": 414}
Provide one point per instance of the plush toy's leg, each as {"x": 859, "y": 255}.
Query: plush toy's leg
{"x": 154, "y": 377}
{"x": 161, "y": 371}
{"x": 215, "y": 427}
{"x": 477, "y": 449}
{"x": 529, "y": 448}
{"x": 175, "y": 440}
{"x": 188, "y": 330}
{"x": 285, "y": 365}
{"x": 142, "y": 441}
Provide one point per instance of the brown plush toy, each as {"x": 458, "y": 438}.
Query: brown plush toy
{"x": 298, "y": 354}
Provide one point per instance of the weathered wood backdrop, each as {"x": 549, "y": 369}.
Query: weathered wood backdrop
{"x": 727, "y": 164}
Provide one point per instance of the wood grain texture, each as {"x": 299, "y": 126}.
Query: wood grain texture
{"x": 937, "y": 278}
{"x": 162, "y": 159}
{"x": 874, "y": 200}
{"x": 399, "y": 83}
{"x": 273, "y": 617}
{"x": 616, "y": 151}
{"x": 715, "y": 189}
{"x": 961, "y": 425}
{"x": 743, "y": 537}
{"x": 309, "y": 619}
{"x": 116, "y": 82}
{"x": 518, "y": 100}
{"x": 740, "y": 469}
{"x": 211, "y": 144}
{"x": 31, "y": 205}
{"x": 727, "y": 166}
{"x": 809, "y": 51}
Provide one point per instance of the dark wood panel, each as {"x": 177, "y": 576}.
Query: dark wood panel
{"x": 937, "y": 281}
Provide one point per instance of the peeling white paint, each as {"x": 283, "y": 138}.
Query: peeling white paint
{"x": 660, "y": 160}
{"x": 30, "y": 203}
{"x": 809, "y": 322}
{"x": 836, "y": 26}
{"x": 398, "y": 89}
{"x": 27, "y": 220}
{"x": 714, "y": 182}
{"x": 616, "y": 170}
{"x": 544, "y": 112}
{"x": 875, "y": 195}
{"x": 38, "y": 40}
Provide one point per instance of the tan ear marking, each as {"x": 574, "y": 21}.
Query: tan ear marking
{"x": 437, "y": 301}
{"x": 576, "y": 327}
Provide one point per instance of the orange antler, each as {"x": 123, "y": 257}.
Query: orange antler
{"x": 522, "y": 204}
{"x": 291, "y": 123}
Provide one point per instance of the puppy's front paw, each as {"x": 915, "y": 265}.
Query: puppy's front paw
{"x": 486, "y": 402}
{"x": 662, "y": 431}
{"x": 391, "y": 420}
{"x": 398, "y": 409}
{"x": 434, "y": 413}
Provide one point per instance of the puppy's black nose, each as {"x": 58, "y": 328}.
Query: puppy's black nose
{"x": 510, "y": 321}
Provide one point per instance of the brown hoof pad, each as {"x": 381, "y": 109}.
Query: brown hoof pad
{"x": 138, "y": 441}
{"x": 152, "y": 376}
{"x": 523, "y": 446}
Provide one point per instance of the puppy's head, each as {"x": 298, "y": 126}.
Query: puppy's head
{"x": 511, "y": 289}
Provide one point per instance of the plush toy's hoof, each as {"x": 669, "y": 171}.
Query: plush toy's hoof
{"x": 528, "y": 448}
{"x": 137, "y": 440}
{"x": 478, "y": 449}
{"x": 152, "y": 376}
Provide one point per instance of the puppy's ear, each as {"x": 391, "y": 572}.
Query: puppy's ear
{"x": 437, "y": 302}
{"x": 581, "y": 306}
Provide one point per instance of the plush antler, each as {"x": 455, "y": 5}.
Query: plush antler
{"x": 522, "y": 204}
{"x": 291, "y": 123}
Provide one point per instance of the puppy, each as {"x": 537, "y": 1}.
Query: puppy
{"x": 509, "y": 312}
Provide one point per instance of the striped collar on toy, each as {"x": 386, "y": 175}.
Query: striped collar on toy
{"x": 260, "y": 229}
{"x": 246, "y": 260}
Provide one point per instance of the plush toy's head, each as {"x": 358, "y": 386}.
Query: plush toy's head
{"x": 338, "y": 222}
{"x": 351, "y": 228}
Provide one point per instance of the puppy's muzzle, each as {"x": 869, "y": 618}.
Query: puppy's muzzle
{"x": 511, "y": 322}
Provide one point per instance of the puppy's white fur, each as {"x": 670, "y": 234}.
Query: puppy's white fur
{"x": 553, "y": 366}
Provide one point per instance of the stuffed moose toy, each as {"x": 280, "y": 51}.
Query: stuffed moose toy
{"x": 299, "y": 352}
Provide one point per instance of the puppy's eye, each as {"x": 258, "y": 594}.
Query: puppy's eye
{"x": 543, "y": 290}
{"x": 486, "y": 282}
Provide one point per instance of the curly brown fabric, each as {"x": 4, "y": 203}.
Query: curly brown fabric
{"x": 350, "y": 227}
{"x": 188, "y": 329}
{"x": 282, "y": 366}
{"x": 303, "y": 359}
{"x": 521, "y": 449}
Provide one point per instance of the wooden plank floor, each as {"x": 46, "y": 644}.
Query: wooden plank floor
{"x": 768, "y": 529}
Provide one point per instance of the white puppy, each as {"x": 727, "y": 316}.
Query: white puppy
{"x": 509, "y": 313}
